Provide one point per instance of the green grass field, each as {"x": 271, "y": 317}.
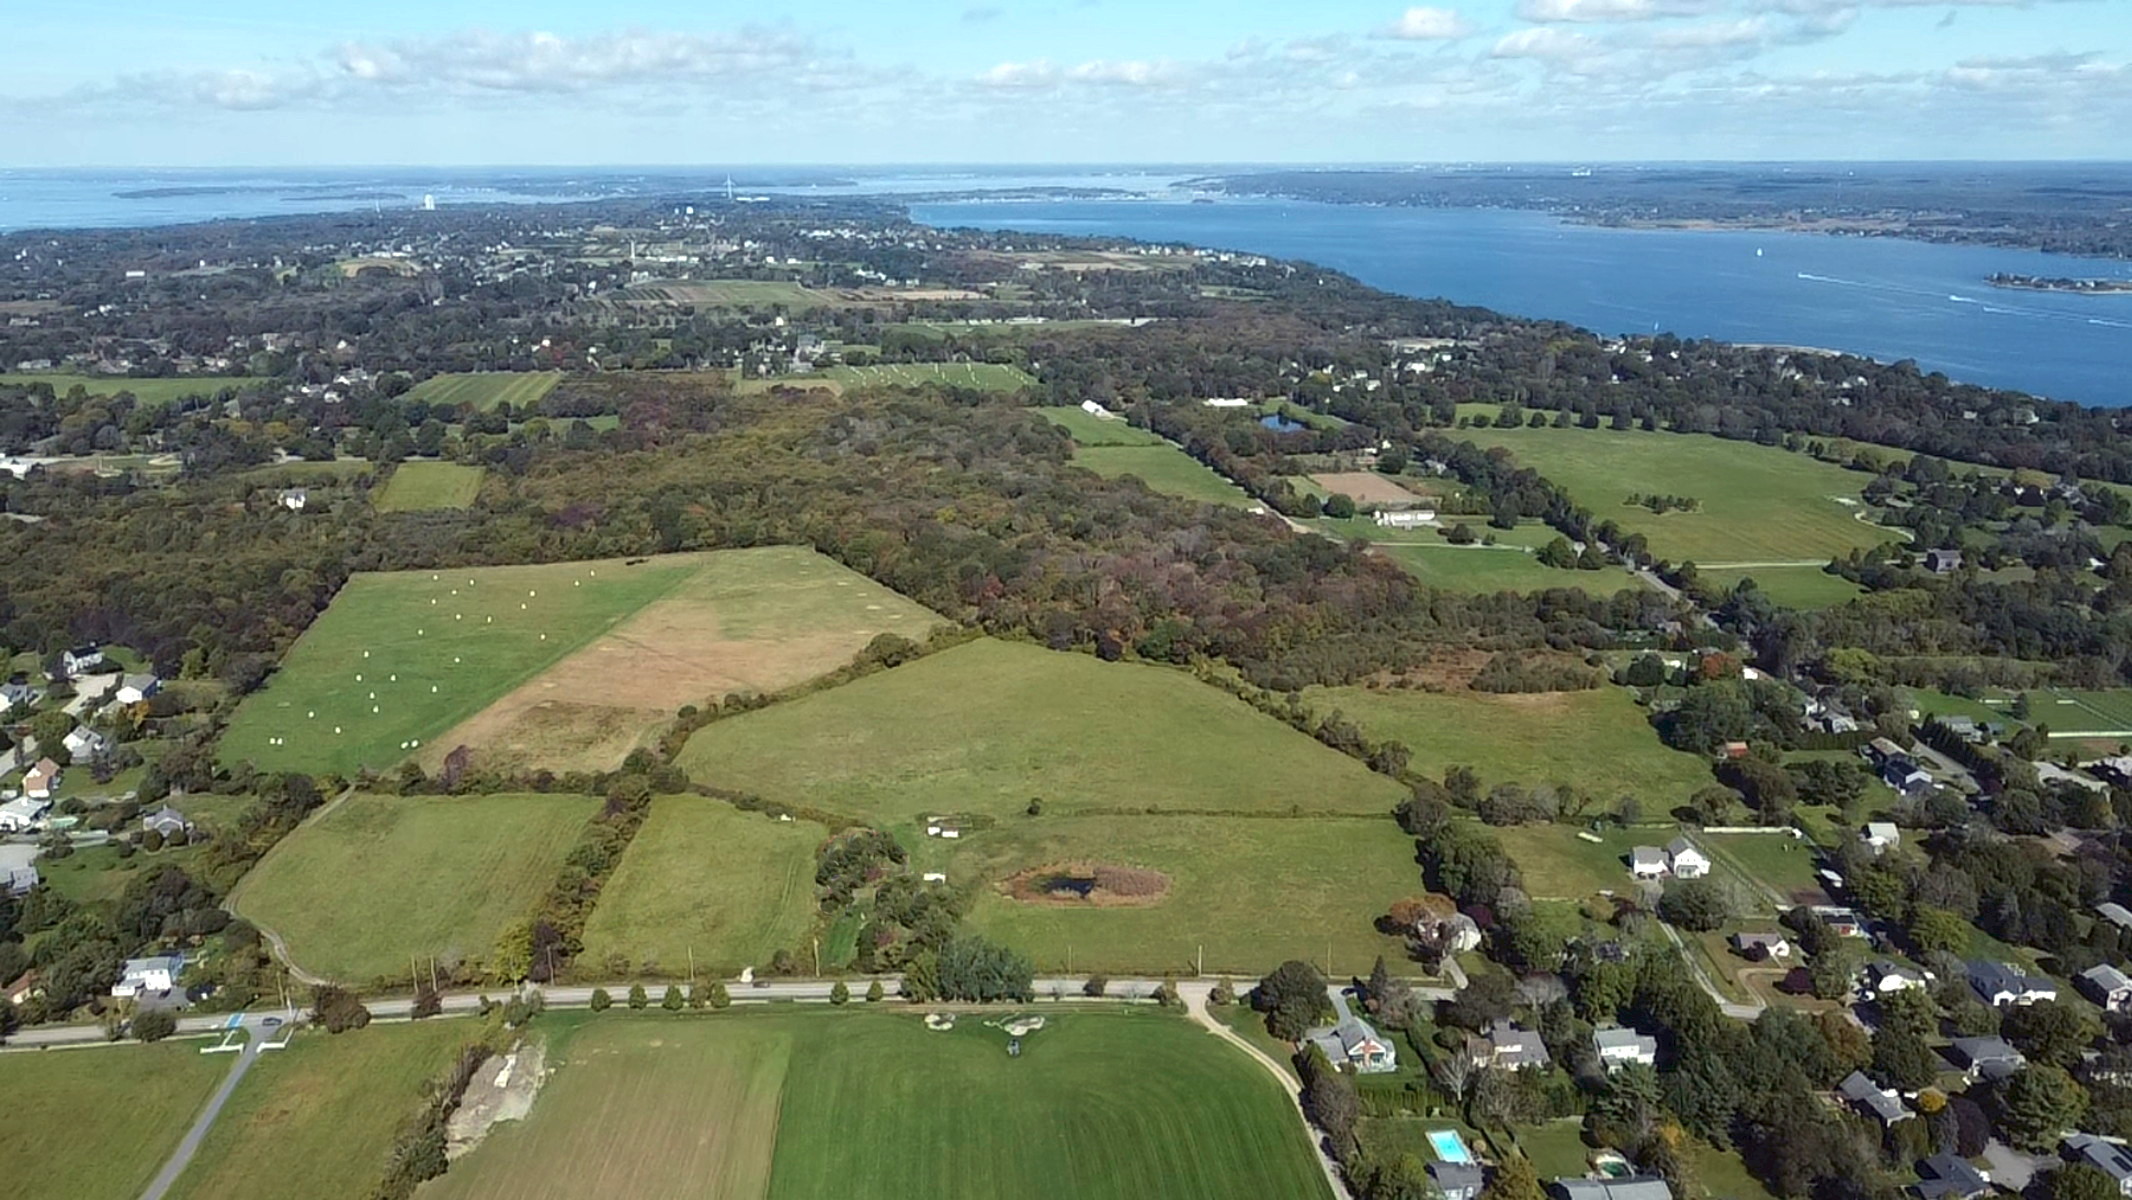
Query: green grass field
{"x": 727, "y": 293}
{"x": 1485, "y": 569}
{"x": 1333, "y": 877}
{"x": 985, "y": 377}
{"x": 484, "y": 390}
{"x": 1597, "y": 740}
{"x": 317, "y": 1118}
{"x": 703, "y": 876}
{"x": 152, "y": 393}
{"x": 871, "y": 1104}
{"x": 96, "y": 1123}
{"x": 2075, "y": 713}
{"x": 1792, "y": 587}
{"x": 380, "y": 879}
{"x": 1164, "y": 468}
{"x": 1759, "y": 503}
{"x": 437, "y": 648}
{"x": 986, "y": 726}
{"x": 1559, "y": 865}
{"x": 1087, "y": 429}
{"x": 1781, "y": 864}
{"x": 422, "y": 486}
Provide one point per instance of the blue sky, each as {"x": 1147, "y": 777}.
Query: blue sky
{"x": 245, "y": 82}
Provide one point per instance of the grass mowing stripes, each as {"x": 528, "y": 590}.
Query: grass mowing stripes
{"x": 95, "y": 1124}
{"x": 984, "y": 377}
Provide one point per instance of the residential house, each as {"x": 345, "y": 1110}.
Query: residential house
{"x": 1762, "y": 946}
{"x": 1881, "y": 749}
{"x": 16, "y": 693}
{"x": 1094, "y": 409}
{"x": 2001, "y": 984}
{"x": 2107, "y": 986}
{"x": 1685, "y": 860}
{"x": 1457, "y": 1181}
{"x": 85, "y": 743}
{"x": 1441, "y": 923}
{"x": 166, "y": 821}
{"x": 1871, "y": 1099}
{"x": 86, "y": 657}
{"x": 1618, "y": 1047}
{"x": 18, "y": 868}
{"x": 1885, "y": 976}
{"x": 23, "y": 814}
{"x": 1948, "y": 1177}
{"x": 1965, "y": 728}
{"x": 1904, "y": 775}
{"x": 146, "y": 976}
{"x": 1510, "y": 1048}
{"x": 2116, "y": 914}
{"x": 1880, "y": 836}
{"x": 132, "y": 689}
{"x": 1354, "y": 1042}
{"x": 1943, "y": 562}
{"x": 1628, "y": 1187}
{"x": 41, "y": 780}
{"x": 294, "y": 499}
{"x": 1734, "y": 751}
{"x": 1843, "y": 922}
{"x": 1985, "y": 1057}
{"x": 2105, "y": 1156}
{"x": 1647, "y": 862}
{"x": 24, "y": 988}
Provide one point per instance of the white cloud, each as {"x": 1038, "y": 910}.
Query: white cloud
{"x": 1550, "y": 45}
{"x": 1423, "y": 24}
{"x": 545, "y": 62}
{"x": 1020, "y": 75}
{"x": 1746, "y": 31}
{"x": 1554, "y": 12}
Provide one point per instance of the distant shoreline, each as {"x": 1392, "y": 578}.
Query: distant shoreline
{"x": 2076, "y": 287}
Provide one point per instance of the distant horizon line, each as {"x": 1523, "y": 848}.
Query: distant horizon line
{"x": 1081, "y": 165}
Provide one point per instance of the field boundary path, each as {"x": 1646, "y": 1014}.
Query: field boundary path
{"x": 273, "y": 937}
{"x": 1195, "y": 1003}
{"x": 181, "y": 1157}
{"x": 1743, "y": 1012}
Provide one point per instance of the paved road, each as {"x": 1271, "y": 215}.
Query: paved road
{"x": 1743, "y": 1012}
{"x": 1195, "y": 1003}
{"x": 256, "y": 1032}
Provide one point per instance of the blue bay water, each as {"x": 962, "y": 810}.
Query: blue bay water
{"x": 1882, "y": 297}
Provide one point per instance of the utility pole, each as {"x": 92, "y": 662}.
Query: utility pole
{"x": 692, "y": 966}
{"x": 817, "y": 958}
{"x": 1200, "y": 967}
{"x": 414, "y": 974}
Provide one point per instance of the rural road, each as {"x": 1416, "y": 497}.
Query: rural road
{"x": 1743, "y": 1012}
{"x": 256, "y": 1033}
{"x": 1195, "y": 1003}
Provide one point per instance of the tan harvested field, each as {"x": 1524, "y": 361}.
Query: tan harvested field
{"x": 1365, "y": 487}
{"x": 750, "y": 621}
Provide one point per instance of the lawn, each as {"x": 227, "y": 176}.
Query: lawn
{"x": 484, "y": 390}
{"x": 378, "y": 880}
{"x": 1087, "y": 429}
{"x": 987, "y": 726}
{"x": 152, "y": 393}
{"x": 317, "y": 1118}
{"x": 1597, "y": 740}
{"x": 567, "y": 666}
{"x": 1758, "y": 503}
{"x": 1778, "y": 862}
{"x": 871, "y": 1104}
{"x": 423, "y": 486}
{"x": 1248, "y": 892}
{"x": 1792, "y": 587}
{"x": 983, "y": 377}
{"x": 1559, "y": 865}
{"x": 97, "y": 874}
{"x": 96, "y": 1123}
{"x": 1556, "y": 1148}
{"x": 1497, "y": 569}
{"x": 703, "y": 876}
{"x": 1163, "y": 468}
{"x": 2083, "y": 714}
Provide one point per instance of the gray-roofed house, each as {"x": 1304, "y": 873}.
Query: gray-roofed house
{"x": 1965, "y": 728}
{"x": 1985, "y": 1057}
{"x": 1873, "y": 1100}
{"x": 1353, "y": 1041}
{"x": 2116, "y": 914}
{"x": 1647, "y": 862}
{"x": 1457, "y": 1181}
{"x": 1943, "y": 562}
{"x": 1880, "y": 836}
{"x": 1762, "y": 946}
{"x": 2105, "y": 1156}
{"x": 1884, "y": 975}
{"x": 1510, "y": 1047}
{"x": 132, "y": 689}
{"x": 1629, "y": 1187}
{"x": 1947, "y": 1177}
{"x": 2002, "y": 984}
{"x": 1686, "y": 861}
{"x": 86, "y": 743}
{"x": 166, "y": 821}
{"x": 2107, "y": 986}
{"x": 1618, "y": 1047}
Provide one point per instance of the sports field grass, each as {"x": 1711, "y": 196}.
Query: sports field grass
{"x": 1559, "y": 865}
{"x": 733, "y": 887}
{"x": 2075, "y": 713}
{"x": 1792, "y": 587}
{"x": 1164, "y": 468}
{"x": 1087, "y": 429}
{"x": 986, "y": 377}
{"x": 96, "y": 1123}
{"x": 1758, "y": 503}
{"x": 870, "y": 1104}
{"x": 1597, "y": 740}
{"x": 317, "y": 1118}
{"x": 152, "y": 393}
{"x": 484, "y": 390}
{"x": 379, "y": 879}
{"x": 1333, "y": 877}
{"x": 566, "y": 666}
{"x": 987, "y": 726}
{"x": 421, "y": 486}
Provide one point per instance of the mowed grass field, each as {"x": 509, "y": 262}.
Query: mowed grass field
{"x": 1597, "y": 740}
{"x": 152, "y": 393}
{"x": 317, "y": 1118}
{"x": 2073, "y": 713}
{"x": 1559, "y": 865}
{"x": 727, "y": 293}
{"x": 566, "y": 665}
{"x": 1087, "y": 429}
{"x": 1779, "y": 863}
{"x": 1759, "y": 503}
{"x": 1333, "y": 877}
{"x": 986, "y": 377}
{"x": 867, "y": 1104}
{"x": 987, "y": 726}
{"x": 1792, "y": 587}
{"x": 95, "y": 1124}
{"x": 733, "y": 887}
{"x": 422, "y": 486}
{"x": 379, "y": 879}
{"x": 1163, "y": 468}
{"x": 1485, "y": 569}
{"x": 484, "y": 390}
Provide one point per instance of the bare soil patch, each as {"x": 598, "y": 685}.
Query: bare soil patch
{"x": 1088, "y": 885}
{"x": 1365, "y": 487}
{"x": 502, "y": 1090}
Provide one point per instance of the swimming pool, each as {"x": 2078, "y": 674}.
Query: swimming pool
{"x": 1449, "y": 1146}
